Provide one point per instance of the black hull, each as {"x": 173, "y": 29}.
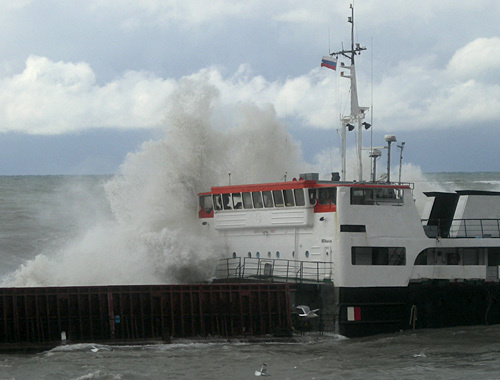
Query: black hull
{"x": 423, "y": 305}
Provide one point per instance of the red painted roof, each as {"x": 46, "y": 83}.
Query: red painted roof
{"x": 300, "y": 184}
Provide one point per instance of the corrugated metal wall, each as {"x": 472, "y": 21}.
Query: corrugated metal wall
{"x": 142, "y": 312}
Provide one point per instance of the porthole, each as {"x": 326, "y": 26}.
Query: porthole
{"x": 277, "y": 254}
{"x": 293, "y": 253}
{"x": 307, "y": 253}
{"x": 257, "y": 254}
{"x": 234, "y": 255}
{"x": 268, "y": 253}
{"x": 249, "y": 254}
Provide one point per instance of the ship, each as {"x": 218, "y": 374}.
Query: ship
{"x": 360, "y": 252}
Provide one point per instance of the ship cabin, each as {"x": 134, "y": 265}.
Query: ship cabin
{"x": 298, "y": 229}
{"x": 356, "y": 234}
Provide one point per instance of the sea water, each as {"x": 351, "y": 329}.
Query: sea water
{"x": 458, "y": 353}
{"x": 44, "y": 214}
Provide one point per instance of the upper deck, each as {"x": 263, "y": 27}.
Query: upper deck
{"x": 462, "y": 214}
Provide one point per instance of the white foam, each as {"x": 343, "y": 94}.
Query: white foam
{"x": 154, "y": 237}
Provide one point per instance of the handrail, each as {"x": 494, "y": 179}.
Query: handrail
{"x": 274, "y": 269}
{"x": 462, "y": 228}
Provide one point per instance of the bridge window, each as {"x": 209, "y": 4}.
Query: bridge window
{"x": 226, "y": 201}
{"x": 247, "y": 200}
{"x": 327, "y": 196}
{"x": 237, "y": 201}
{"x": 378, "y": 256}
{"x": 361, "y": 196}
{"x": 299, "y": 197}
{"x": 206, "y": 203}
{"x": 257, "y": 199}
{"x": 218, "y": 201}
{"x": 312, "y": 196}
{"x": 268, "y": 199}
{"x": 278, "y": 198}
{"x": 288, "y": 195}
{"x": 376, "y": 196}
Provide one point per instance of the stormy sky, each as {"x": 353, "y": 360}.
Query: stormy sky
{"x": 82, "y": 83}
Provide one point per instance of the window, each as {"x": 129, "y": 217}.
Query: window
{"x": 361, "y": 196}
{"x": 441, "y": 256}
{"x": 268, "y": 199}
{"x": 422, "y": 257}
{"x": 206, "y": 203}
{"x": 493, "y": 254}
{"x": 278, "y": 198}
{"x": 288, "y": 195}
{"x": 376, "y": 196}
{"x": 247, "y": 200}
{"x": 299, "y": 197}
{"x": 218, "y": 201}
{"x": 312, "y": 196}
{"x": 226, "y": 201}
{"x": 378, "y": 256}
{"x": 237, "y": 201}
{"x": 327, "y": 196}
{"x": 352, "y": 228}
{"x": 454, "y": 256}
{"x": 257, "y": 199}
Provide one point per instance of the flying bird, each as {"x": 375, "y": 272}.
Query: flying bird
{"x": 305, "y": 312}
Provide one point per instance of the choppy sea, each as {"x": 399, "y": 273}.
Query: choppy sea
{"x": 41, "y": 217}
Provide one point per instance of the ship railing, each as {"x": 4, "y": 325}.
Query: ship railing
{"x": 462, "y": 228}
{"x": 278, "y": 270}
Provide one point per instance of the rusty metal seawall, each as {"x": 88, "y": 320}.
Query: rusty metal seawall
{"x": 47, "y": 315}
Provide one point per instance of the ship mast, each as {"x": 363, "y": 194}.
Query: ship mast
{"x": 357, "y": 113}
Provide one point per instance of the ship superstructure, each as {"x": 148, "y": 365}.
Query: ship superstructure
{"x": 382, "y": 261}
{"x": 366, "y": 240}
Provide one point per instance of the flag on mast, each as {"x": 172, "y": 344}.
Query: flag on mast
{"x": 329, "y": 62}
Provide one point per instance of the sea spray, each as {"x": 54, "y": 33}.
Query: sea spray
{"x": 154, "y": 236}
